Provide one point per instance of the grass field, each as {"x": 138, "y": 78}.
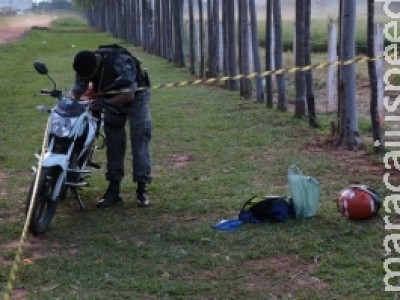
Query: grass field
{"x": 211, "y": 151}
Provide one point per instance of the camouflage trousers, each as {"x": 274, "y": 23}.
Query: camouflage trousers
{"x": 138, "y": 116}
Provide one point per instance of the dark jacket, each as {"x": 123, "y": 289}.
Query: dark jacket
{"x": 113, "y": 66}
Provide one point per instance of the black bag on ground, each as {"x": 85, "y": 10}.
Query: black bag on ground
{"x": 268, "y": 208}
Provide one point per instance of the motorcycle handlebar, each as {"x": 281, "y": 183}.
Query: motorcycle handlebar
{"x": 53, "y": 93}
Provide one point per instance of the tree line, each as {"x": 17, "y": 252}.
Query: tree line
{"x": 222, "y": 36}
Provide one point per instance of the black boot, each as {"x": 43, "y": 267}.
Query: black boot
{"x": 141, "y": 195}
{"x": 111, "y": 197}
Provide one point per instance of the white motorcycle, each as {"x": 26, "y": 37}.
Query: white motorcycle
{"x": 66, "y": 159}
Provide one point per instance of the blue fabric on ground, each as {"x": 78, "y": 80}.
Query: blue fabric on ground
{"x": 228, "y": 225}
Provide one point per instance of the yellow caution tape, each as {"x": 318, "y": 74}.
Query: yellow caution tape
{"x": 358, "y": 59}
{"x": 18, "y": 255}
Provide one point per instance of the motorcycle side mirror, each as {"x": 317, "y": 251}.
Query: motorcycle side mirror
{"x": 40, "y": 67}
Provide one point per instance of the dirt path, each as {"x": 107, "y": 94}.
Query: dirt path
{"x": 16, "y": 27}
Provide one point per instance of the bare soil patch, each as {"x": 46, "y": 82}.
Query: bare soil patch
{"x": 351, "y": 161}
{"x": 179, "y": 160}
{"x": 18, "y": 26}
{"x": 276, "y": 276}
{"x": 294, "y": 273}
{"x": 3, "y": 176}
{"x": 35, "y": 248}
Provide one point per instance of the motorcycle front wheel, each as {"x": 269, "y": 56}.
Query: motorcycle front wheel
{"x": 44, "y": 207}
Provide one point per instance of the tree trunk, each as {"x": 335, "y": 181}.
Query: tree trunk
{"x": 300, "y": 76}
{"x": 124, "y": 18}
{"x": 256, "y": 54}
{"x": 244, "y": 47}
{"x": 280, "y": 79}
{"x": 349, "y": 134}
{"x": 312, "y": 115}
{"x": 145, "y": 36}
{"x": 231, "y": 45}
{"x": 268, "y": 53}
{"x": 215, "y": 32}
{"x": 210, "y": 38}
{"x": 150, "y": 26}
{"x": 213, "y": 38}
{"x": 192, "y": 56}
{"x": 376, "y": 128}
{"x": 157, "y": 27}
{"x": 137, "y": 22}
{"x": 201, "y": 34}
{"x": 179, "y": 57}
{"x": 239, "y": 47}
{"x": 129, "y": 25}
{"x": 225, "y": 40}
{"x": 167, "y": 28}
{"x": 339, "y": 71}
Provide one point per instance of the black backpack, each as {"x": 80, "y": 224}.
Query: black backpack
{"x": 113, "y": 50}
{"x": 268, "y": 208}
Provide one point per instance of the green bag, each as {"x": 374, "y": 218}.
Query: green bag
{"x": 305, "y": 192}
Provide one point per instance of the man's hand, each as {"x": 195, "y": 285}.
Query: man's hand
{"x": 122, "y": 99}
{"x": 95, "y": 105}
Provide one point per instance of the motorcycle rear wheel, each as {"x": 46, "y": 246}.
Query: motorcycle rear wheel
{"x": 44, "y": 207}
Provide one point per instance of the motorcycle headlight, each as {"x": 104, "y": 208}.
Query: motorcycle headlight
{"x": 61, "y": 127}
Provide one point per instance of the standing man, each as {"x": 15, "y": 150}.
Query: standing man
{"x": 117, "y": 77}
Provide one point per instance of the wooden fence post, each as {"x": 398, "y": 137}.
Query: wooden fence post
{"x": 331, "y": 78}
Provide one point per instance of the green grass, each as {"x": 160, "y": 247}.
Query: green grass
{"x": 211, "y": 151}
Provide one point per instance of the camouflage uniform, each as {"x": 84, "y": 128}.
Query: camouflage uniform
{"x": 137, "y": 114}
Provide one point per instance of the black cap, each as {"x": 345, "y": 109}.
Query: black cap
{"x": 85, "y": 63}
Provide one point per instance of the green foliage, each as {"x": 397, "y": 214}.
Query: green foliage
{"x": 69, "y": 22}
{"x": 211, "y": 151}
{"x": 82, "y": 4}
{"x": 54, "y": 5}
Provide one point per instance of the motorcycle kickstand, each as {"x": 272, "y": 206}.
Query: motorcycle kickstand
{"x": 79, "y": 200}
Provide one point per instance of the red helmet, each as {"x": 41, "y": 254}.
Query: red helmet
{"x": 358, "y": 202}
